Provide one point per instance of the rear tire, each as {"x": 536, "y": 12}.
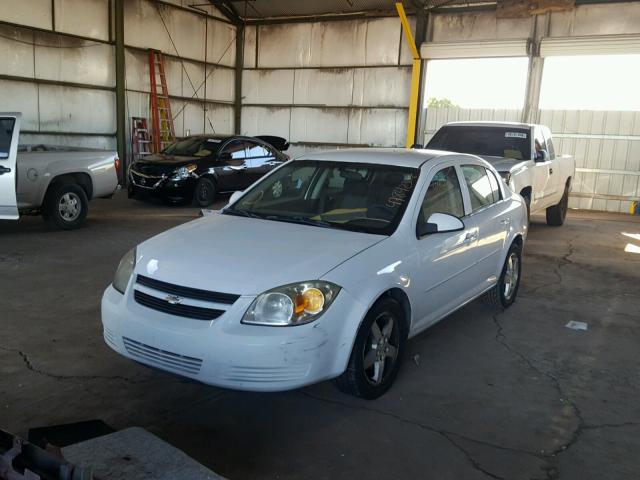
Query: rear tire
{"x": 66, "y": 206}
{"x": 504, "y": 293}
{"x": 377, "y": 352}
{"x": 205, "y": 193}
{"x": 557, "y": 214}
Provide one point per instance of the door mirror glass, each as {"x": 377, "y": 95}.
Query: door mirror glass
{"x": 235, "y": 196}
{"x": 440, "y": 223}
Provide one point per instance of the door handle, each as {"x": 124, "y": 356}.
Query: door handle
{"x": 550, "y": 171}
{"x": 470, "y": 237}
{"x": 4, "y": 170}
{"x": 236, "y": 167}
{"x": 505, "y": 221}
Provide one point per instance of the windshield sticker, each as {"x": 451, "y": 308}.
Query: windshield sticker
{"x": 213, "y": 140}
{"x": 515, "y": 135}
{"x": 401, "y": 192}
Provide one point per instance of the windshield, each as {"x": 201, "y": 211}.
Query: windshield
{"x": 351, "y": 196}
{"x": 506, "y": 142}
{"x": 192, "y": 147}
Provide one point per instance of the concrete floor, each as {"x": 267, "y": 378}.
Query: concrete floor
{"x": 482, "y": 394}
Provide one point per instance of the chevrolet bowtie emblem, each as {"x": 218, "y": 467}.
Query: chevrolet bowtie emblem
{"x": 173, "y": 299}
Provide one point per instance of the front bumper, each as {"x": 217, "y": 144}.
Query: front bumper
{"x": 162, "y": 186}
{"x": 225, "y": 353}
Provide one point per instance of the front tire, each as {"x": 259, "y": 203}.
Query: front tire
{"x": 504, "y": 293}
{"x": 377, "y": 352}
{"x": 205, "y": 192}
{"x": 66, "y": 206}
{"x": 557, "y": 214}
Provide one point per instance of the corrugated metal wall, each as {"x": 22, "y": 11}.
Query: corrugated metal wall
{"x": 605, "y": 145}
{"x": 63, "y": 80}
{"x": 335, "y": 83}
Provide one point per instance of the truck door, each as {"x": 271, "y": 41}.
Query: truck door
{"x": 9, "y": 130}
{"x": 555, "y": 185}
{"x": 542, "y": 171}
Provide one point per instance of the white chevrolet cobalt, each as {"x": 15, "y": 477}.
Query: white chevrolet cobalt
{"x": 322, "y": 269}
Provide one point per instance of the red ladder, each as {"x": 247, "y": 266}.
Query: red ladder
{"x": 163, "y": 132}
{"x": 140, "y": 139}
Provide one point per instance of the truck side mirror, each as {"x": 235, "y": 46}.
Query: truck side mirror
{"x": 542, "y": 156}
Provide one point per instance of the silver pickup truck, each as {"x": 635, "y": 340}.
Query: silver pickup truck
{"x": 55, "y": 182}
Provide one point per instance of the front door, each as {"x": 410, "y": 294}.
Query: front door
{"x": 444, "y": 273}
{"x": 9, "y": 130}
{"x": 542, "y": 171}
{"x": 233, "y": 167}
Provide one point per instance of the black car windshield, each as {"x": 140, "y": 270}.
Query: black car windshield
{"x": 507, "y": 142}
{"x": 351, "y": 196}
{"x": 192, "y": 147}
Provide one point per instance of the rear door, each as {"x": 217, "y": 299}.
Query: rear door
{"x": 233, "y": 168}
{"x": 262, "y": 160}
{"x": 9, "y": 130}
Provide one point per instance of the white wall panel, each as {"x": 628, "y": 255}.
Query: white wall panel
{"x": 319, "y": 125}
{"x": 221, "y": 43}
{"x": 378, "y": 127}
{"x": 74, "y": 60}
{"x": 21, "y": 97}
{"x": 89, "y": 18}
{"x": 382, "y": 41}
{"x": 220, "y": 84}
{"x": 219, "y": 119}
{"x": 267, "y": 86}
{"x": 191, "y": 79}
{"x": 249, "y": 50}
{"x": 336, "y": 44}
{"x": 478, "y": 26}
{"x": 324, "y": 87}
{"x": 386, "y": 87}
{"x": 406, "y": 57}
{"x": 266, "y": 121}
{"x": 70, "y": 109}
{"x": 272, "y": 38}
{"x": 137, "y": 70}
{"x": 83, "y": 141}
{"x": 34, "y": 13}
{"x": 610, "y": 19}
{"x": 16, "y": 57}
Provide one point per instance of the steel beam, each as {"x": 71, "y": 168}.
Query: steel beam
{"x": 237, "y": 119}
{"x": 121, "y": 120}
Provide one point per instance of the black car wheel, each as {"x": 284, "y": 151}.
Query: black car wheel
{"x": 377, "y": 352}
{"x": 205, "y": 192}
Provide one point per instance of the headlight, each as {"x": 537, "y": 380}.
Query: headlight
{"x": 290, "y": 305}
{"x": 124, "y": 271}
{"x": 184, "y": 172}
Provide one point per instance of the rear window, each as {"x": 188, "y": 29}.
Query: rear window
{"x": 505, "y": 142}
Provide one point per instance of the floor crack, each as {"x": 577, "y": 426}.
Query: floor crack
{"x": 31, "y": 367}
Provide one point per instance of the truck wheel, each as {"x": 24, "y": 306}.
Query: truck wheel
{"x": 205, "y": 192}
{"x": 557, "y": 213}
{"x": 66, "y": 206}
{"x": 377, "y": 352}
{"x": 505, "y": 291}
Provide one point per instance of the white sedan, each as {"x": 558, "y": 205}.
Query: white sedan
{"x": 321, "y": 270}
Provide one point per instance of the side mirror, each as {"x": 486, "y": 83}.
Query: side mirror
{"x": 542, "y": 156}
{"x": 439, "y": 223}
{"x": 235, "y": 196}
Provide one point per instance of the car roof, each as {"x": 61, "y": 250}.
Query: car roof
{"x": 489, "y": 123}
{"x": 403, "y": 157}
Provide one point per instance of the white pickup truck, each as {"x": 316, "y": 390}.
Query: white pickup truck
{"x": 523, "y": 154}
{"x": 55, "y": 182}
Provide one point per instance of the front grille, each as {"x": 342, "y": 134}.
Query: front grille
{"x": 195, "y": 293}
{"x": 144, "y": 181}
{"x": 162, "y": 358}
{"x": 180, "y": 310}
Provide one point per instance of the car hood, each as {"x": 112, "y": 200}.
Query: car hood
{"x": 502, "y": 164}
{"x": 246, "y": 256}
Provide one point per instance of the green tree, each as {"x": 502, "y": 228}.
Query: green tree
{"x": 440, "y": 103}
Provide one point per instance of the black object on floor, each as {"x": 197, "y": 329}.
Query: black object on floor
{"x": 68, "y": 434}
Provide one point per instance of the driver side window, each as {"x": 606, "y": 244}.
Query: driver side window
{"x": 444, "y": 195}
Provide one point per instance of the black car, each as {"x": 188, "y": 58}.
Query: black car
{"x": 200, "y": 166}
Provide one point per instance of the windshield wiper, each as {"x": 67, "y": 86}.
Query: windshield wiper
{"x": 300, "y": 220}
{"x": 242, "y": 213}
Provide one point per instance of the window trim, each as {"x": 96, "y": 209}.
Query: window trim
{"x": 483, "y": 207}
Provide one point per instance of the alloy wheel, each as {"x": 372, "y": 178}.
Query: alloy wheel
{"x": 381, "y": 348}
{"x": 69, "y": 206}
{"x": 511, "y": 275}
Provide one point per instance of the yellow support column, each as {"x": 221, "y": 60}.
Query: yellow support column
{"x": 415, "y": 76}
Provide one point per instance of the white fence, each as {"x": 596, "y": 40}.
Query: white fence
{"x": 605, "y": 145}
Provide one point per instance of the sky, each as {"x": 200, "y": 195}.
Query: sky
{"x": 597, "y": 82}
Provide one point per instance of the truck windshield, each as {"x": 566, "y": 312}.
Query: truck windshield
{"x": 507, "y": 142}
{"x": 359, "y": 197}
